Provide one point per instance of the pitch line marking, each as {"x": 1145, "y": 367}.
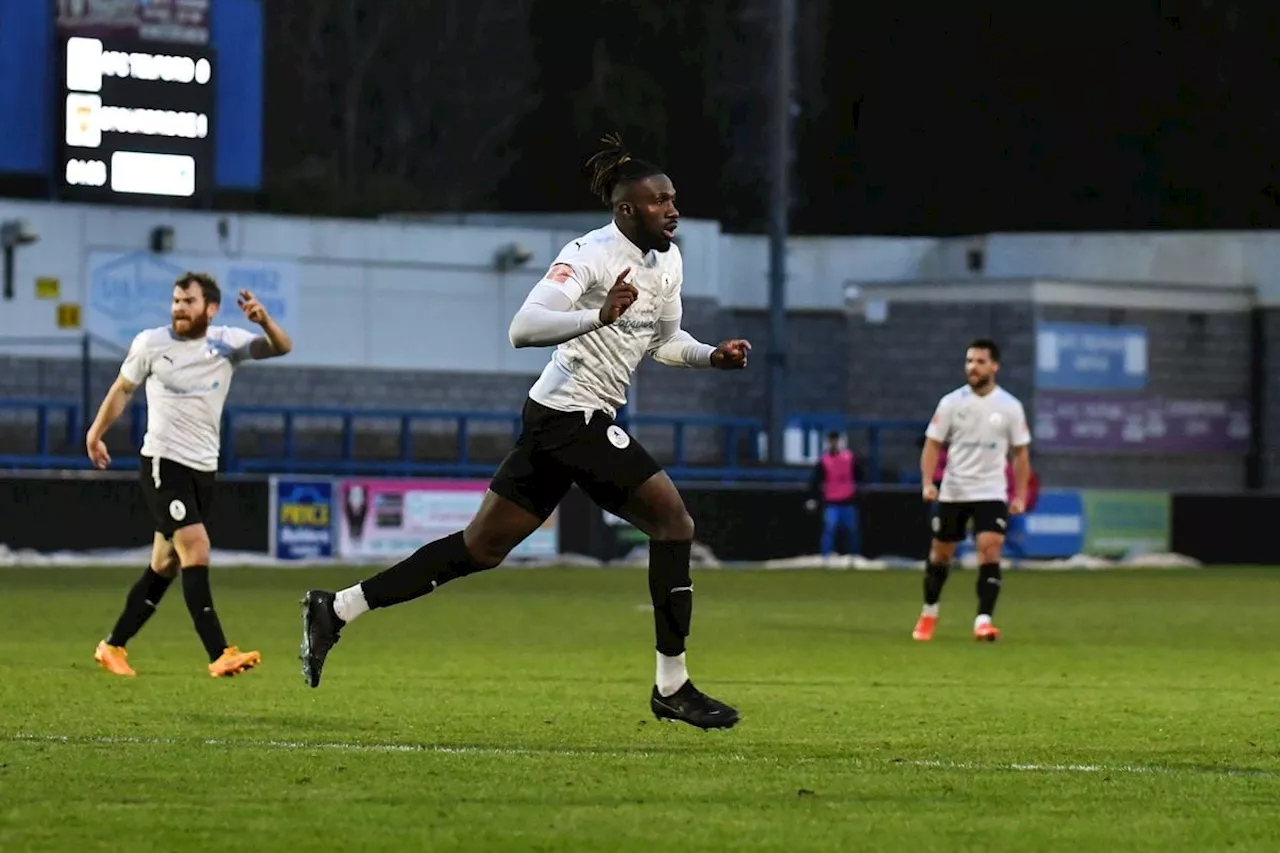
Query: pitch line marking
{"x": 443, "y": 749}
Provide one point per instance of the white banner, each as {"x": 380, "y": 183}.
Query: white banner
{"x": 393, "y": 518}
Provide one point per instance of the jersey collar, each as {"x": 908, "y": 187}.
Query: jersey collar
{"x": 631, "y": 248}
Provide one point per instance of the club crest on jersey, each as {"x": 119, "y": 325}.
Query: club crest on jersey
{"x": 996, "y": 419}
{"x": 618, "y": 437}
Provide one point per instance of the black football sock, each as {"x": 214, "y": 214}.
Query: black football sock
{"x": 989, "y": 580}
{"x": 671, "y": 589}
{"x": 195, "y": 589}
{"x": 935, "y": 577}
{"x": 139, "y": 604}
{"x": 432, "y": 565}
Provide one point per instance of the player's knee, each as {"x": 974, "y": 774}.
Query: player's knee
{"x": 191, "y": 545}
{"x": 486, "y": 550}
{"x": 990, "y": 548}
{"x": 164, "y": 560}
{"x": 675, "y": 526}
{"x": 941, "y": 553}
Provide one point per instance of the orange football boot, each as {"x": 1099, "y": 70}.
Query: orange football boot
{"x": 233, "y": 662}
{"x": 114, "y": 659}
{"x": 986, "y": 632}
{"x": 924, "y": 627}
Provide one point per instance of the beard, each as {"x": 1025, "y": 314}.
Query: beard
{"x": 194, "y": 328}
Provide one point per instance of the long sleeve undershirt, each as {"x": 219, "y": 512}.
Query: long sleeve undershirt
{"x": 547, "y": 318}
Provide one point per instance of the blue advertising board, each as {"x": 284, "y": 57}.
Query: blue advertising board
{"x": 1054, "y": 529}
{"x": 302, "y": 525}
{"x": 1084, "y": 357}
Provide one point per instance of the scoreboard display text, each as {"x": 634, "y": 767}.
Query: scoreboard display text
{"x": 137, "y": 121}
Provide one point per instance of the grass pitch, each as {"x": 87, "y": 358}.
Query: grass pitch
{"x": 1126, "y": 711}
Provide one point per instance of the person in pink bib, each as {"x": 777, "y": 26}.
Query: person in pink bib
{"x": 834, "y": 484}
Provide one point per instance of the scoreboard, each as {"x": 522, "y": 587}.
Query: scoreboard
{"x": 137, "y": 120}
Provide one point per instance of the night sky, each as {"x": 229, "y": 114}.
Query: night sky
{"x": 1147, "y": 116}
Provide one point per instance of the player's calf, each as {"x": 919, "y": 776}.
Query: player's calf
{"x": 325, "y": 614}
{"x": 936, "y": 571}
{"x": 140, "y": 604}
{"x": 990, "y": 581}
{"x": 499, "y": 525}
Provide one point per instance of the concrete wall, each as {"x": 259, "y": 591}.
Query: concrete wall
{"x": 426, "y": 295}
{"x": 414, "y": 314}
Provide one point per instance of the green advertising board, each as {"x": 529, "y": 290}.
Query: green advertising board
{"x": 1124, "y": 523}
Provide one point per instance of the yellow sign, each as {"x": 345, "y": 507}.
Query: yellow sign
{"x": 69, "y": 315}
{"x": 305, "y": 515}
{"x": 47, "y": 288}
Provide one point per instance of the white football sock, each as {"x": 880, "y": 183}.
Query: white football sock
{"x": 930, "y": 610}
{"x": 350, "y": 603}
{"x": 984, "y": 619}
{"x": 672, "y": 674}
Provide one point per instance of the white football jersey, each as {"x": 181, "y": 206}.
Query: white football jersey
{"x": 978, "y": 431}
{"x": 593, "y": 371}
{"x": 187, "y": 381}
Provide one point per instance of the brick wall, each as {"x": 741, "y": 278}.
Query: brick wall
{"x": 1189, "y": 356}
{"x": 902, "y": 366}
{"x": 1271, "y": 407}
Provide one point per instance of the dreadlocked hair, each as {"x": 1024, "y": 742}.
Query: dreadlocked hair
{"x": 614, "y": 165}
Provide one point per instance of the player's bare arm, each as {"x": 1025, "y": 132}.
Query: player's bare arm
{"x": 113, "y": 406}
{"x": 1021, "y": 479}
{"x": 275, "y": 341}
{"x": 928, "y": 464}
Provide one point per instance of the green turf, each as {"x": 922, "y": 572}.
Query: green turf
{"x": 1121, "y": 711}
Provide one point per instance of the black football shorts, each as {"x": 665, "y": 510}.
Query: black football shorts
{"x": 951, "y": 520}
{"x": 557, "y": 449}
{"x": 176, "y": 495}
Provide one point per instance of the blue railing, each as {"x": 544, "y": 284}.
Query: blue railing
{"x": 814, "y": 428}
{"x": 736, "y": 460}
